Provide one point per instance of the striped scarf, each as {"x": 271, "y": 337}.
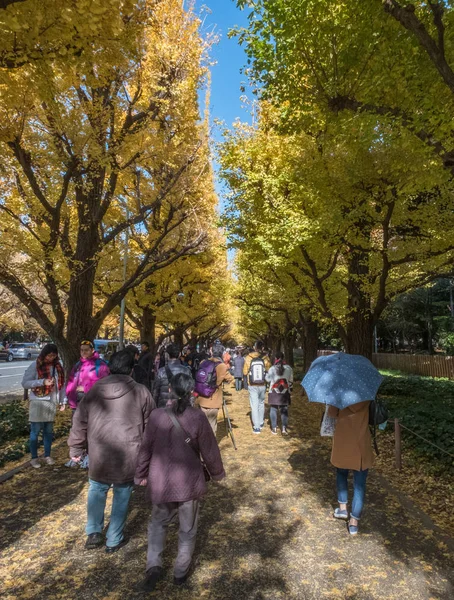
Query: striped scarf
{"x": 48, "y": 371}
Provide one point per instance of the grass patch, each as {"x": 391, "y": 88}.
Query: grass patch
{"x": 15, "y": 430}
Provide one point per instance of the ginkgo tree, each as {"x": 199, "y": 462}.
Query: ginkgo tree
{"x": 340, "y": 215}
{"x": 109, "y": 142}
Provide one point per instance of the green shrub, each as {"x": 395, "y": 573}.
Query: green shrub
{"x": 426, "y": 406}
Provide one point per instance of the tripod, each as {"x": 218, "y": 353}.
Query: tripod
{"x": 228, "y": 423}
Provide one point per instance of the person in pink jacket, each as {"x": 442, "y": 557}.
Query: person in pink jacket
{"x": 85, "y": 373}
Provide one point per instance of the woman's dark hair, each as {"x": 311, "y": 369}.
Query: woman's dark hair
{"x": 279, "y": 364}
{"x": 173, "y": 350}
{"x": 217, "y": 351}
{"x": 182, "y": 386}
{"x": 121, "y": 362}
{"x": 133, "y": 349}
{"x": 48, "y": 349}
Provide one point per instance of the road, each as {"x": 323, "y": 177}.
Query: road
{"x": 11, "y": 376}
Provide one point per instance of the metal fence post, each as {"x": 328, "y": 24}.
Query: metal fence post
{"x": 398, "y": 445}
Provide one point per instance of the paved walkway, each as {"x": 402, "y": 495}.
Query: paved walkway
{"x": 266, "y": 532}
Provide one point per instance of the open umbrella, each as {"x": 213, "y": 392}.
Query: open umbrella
{"x": 341, "y": 380}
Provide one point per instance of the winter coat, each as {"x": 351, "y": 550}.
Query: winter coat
{"x": 140, "y": 375}
{"x": 238, "y": 364}
{"x": 352, "y": 445}
{"x": 272, "y": 377}
{"x": 161, "y": 393}
{"x": 222, "y": 374}
{"x": 173, "y": 470}
{"x": 248, "y": 360}
{"x": 147, "y": 364}
{"x": 86, "y": 372}
{"x": 41, "y": 409}
{"x": 110, "y": 421}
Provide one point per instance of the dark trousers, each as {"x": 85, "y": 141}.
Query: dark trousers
{"x": 273, "y": 415}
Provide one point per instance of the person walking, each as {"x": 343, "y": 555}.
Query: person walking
{"x": 209, "y": 386}
{"x": 46, "y": 381}
{"x": 169, "y": 465}
{"x": 352, "y": 451}
{"x": 238, "y": 365}
{"x": 161, "y": 392}
{"x": 110, "y": 420}
{"x": 146, "y": 362}
{"x": 139, "y": 374}
{"x": 85, "y": 373}
{"x": 255, "y": 367}
{"x": 280, "y": 378}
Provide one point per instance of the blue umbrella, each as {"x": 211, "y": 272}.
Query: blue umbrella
{"x": 341, "y": 380}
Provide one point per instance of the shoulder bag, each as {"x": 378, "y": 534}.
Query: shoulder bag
{"x": 187, "y": 440}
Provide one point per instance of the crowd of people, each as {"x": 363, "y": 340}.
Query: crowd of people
{"x": 153, "y": 421}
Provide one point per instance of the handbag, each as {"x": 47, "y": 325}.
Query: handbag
{"x": 188, "y": 441}
{"x": 328, "y": 424}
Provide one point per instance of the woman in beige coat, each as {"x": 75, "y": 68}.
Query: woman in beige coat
{"x": 352, "y": 451}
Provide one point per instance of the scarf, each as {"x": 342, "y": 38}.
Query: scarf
{"x": 48, "y": 371}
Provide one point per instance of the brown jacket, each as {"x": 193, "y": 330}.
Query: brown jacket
{"x": 352, "y": 446}
{"x": 222, "y": 374}
{"x": 110, "y": 421}
{"x": 248, "y": 360}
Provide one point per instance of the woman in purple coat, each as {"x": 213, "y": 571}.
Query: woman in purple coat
{"x": 170, "y": 466}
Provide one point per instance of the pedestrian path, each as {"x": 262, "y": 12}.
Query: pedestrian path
{"x": 266, "y": 532}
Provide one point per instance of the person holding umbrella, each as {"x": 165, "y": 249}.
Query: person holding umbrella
{"x": 347, "y": 383}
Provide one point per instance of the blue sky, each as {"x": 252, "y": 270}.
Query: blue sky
{"x": 230, "y": 58}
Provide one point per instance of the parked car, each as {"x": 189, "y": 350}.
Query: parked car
{"x": 24, "y": 350}
{"x": 106, "y": 348}
{"x": 5, "y": 354}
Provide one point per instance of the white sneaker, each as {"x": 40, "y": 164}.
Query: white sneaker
{"x": 49, "y": 460}
{"x": 35, "y": 463}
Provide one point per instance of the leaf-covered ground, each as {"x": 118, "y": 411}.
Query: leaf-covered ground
{"x": 265, "y": 533}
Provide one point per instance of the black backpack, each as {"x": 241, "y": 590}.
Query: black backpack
{"x": 378, "y": 414}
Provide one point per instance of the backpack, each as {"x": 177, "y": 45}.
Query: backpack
{"x": 206, "y": 378}
{"x": 378, "y": 414}
{"x": 98, "y": 363}
{"x": 257, "y": 371}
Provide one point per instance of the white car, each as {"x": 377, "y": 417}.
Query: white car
{"x": 24, "y": 350}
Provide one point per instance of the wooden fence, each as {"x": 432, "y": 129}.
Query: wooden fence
{"x": 416, "y": 364}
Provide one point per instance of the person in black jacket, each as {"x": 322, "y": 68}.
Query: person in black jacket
{"x": 139, "y": 374}
{"x": 161, "y": 393}
{"x": 146, "y": 361}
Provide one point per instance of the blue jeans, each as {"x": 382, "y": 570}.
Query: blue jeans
{"x": 257, "y": 402}
{"x": 35, "y": 428}
{"x": 97, "y": 496}
{"x": 245, "y": 384}
{"x": 238, "y": 384}
{"x": 273, "y": 415}
{"x": 359, "y": 490}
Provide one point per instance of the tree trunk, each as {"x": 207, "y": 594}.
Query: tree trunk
{"x": 360, "y": 337}
{"x": 360, "y": 323}
{"x": 289, "y": 345}
{"x": 178, "y": 336}
{"x": 309, "y": 342}
{"x": 148, "y": 328}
